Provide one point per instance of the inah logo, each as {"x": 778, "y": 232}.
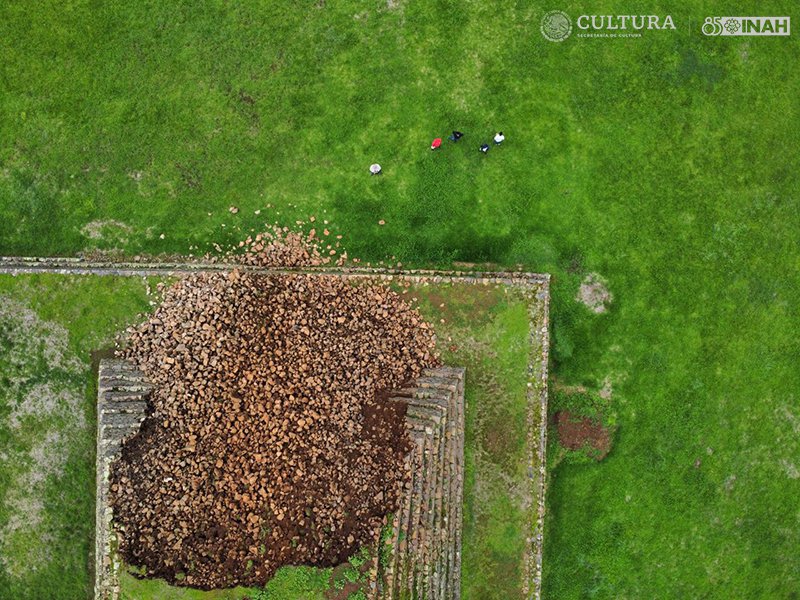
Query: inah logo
{"x": 747, "y": 26}
{"x": 556, "y": 26}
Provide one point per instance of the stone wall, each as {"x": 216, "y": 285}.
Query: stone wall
{"x": 425, "y": 544}
{"x": 120, "y": 384}
{"x": 122, "y": 393}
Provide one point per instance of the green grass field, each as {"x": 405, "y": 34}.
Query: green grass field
{"x": 289, "y": 583}
{"x": 668, "y": 164}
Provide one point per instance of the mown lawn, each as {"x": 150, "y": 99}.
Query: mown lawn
{"x": 668, "y": 164}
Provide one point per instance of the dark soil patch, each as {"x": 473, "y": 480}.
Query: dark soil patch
{"x": 583, "y": 433}
{"x": 501, "y": 440}
{"x": 97, "y": 355}
{"x": 341, "y": 588}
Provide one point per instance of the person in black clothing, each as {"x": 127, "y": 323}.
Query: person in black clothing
{"x": 484, "y": 148}
{"x": 457, "y": 135}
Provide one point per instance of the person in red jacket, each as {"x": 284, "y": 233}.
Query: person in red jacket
{"x": 436, "y": 143}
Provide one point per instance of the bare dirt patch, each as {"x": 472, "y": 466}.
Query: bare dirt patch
{"x": 108, "y": 230}
{"x": 791, "y": 470}
{"x": 347, "y": 580}
{"x": 41, "y": 390}
{"x": 607, "y": 391}
{"x": 594, "y": 293}
{"x": 583, "y": 433}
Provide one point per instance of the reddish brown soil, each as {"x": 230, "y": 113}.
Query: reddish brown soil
{"x": 270, "y": 441}
{"x": 349, "y": 587}
{"x": 576, "y": 433}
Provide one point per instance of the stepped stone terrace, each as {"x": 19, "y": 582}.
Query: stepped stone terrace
{"x": 424, "y": 557}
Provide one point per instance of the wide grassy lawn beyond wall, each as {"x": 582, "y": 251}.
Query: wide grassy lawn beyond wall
{"x": 667, "y": 164}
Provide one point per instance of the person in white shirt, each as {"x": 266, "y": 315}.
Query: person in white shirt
{"x": 375, "y": 169}
{"x": 499, "y": 137}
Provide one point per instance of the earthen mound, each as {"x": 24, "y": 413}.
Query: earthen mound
{"x": 268, "y": 442}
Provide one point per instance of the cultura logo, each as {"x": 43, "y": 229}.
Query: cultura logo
{"x": 747, "y": 26}
{"x": 613, "y": 22}
{"x": 556, "y": 26}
